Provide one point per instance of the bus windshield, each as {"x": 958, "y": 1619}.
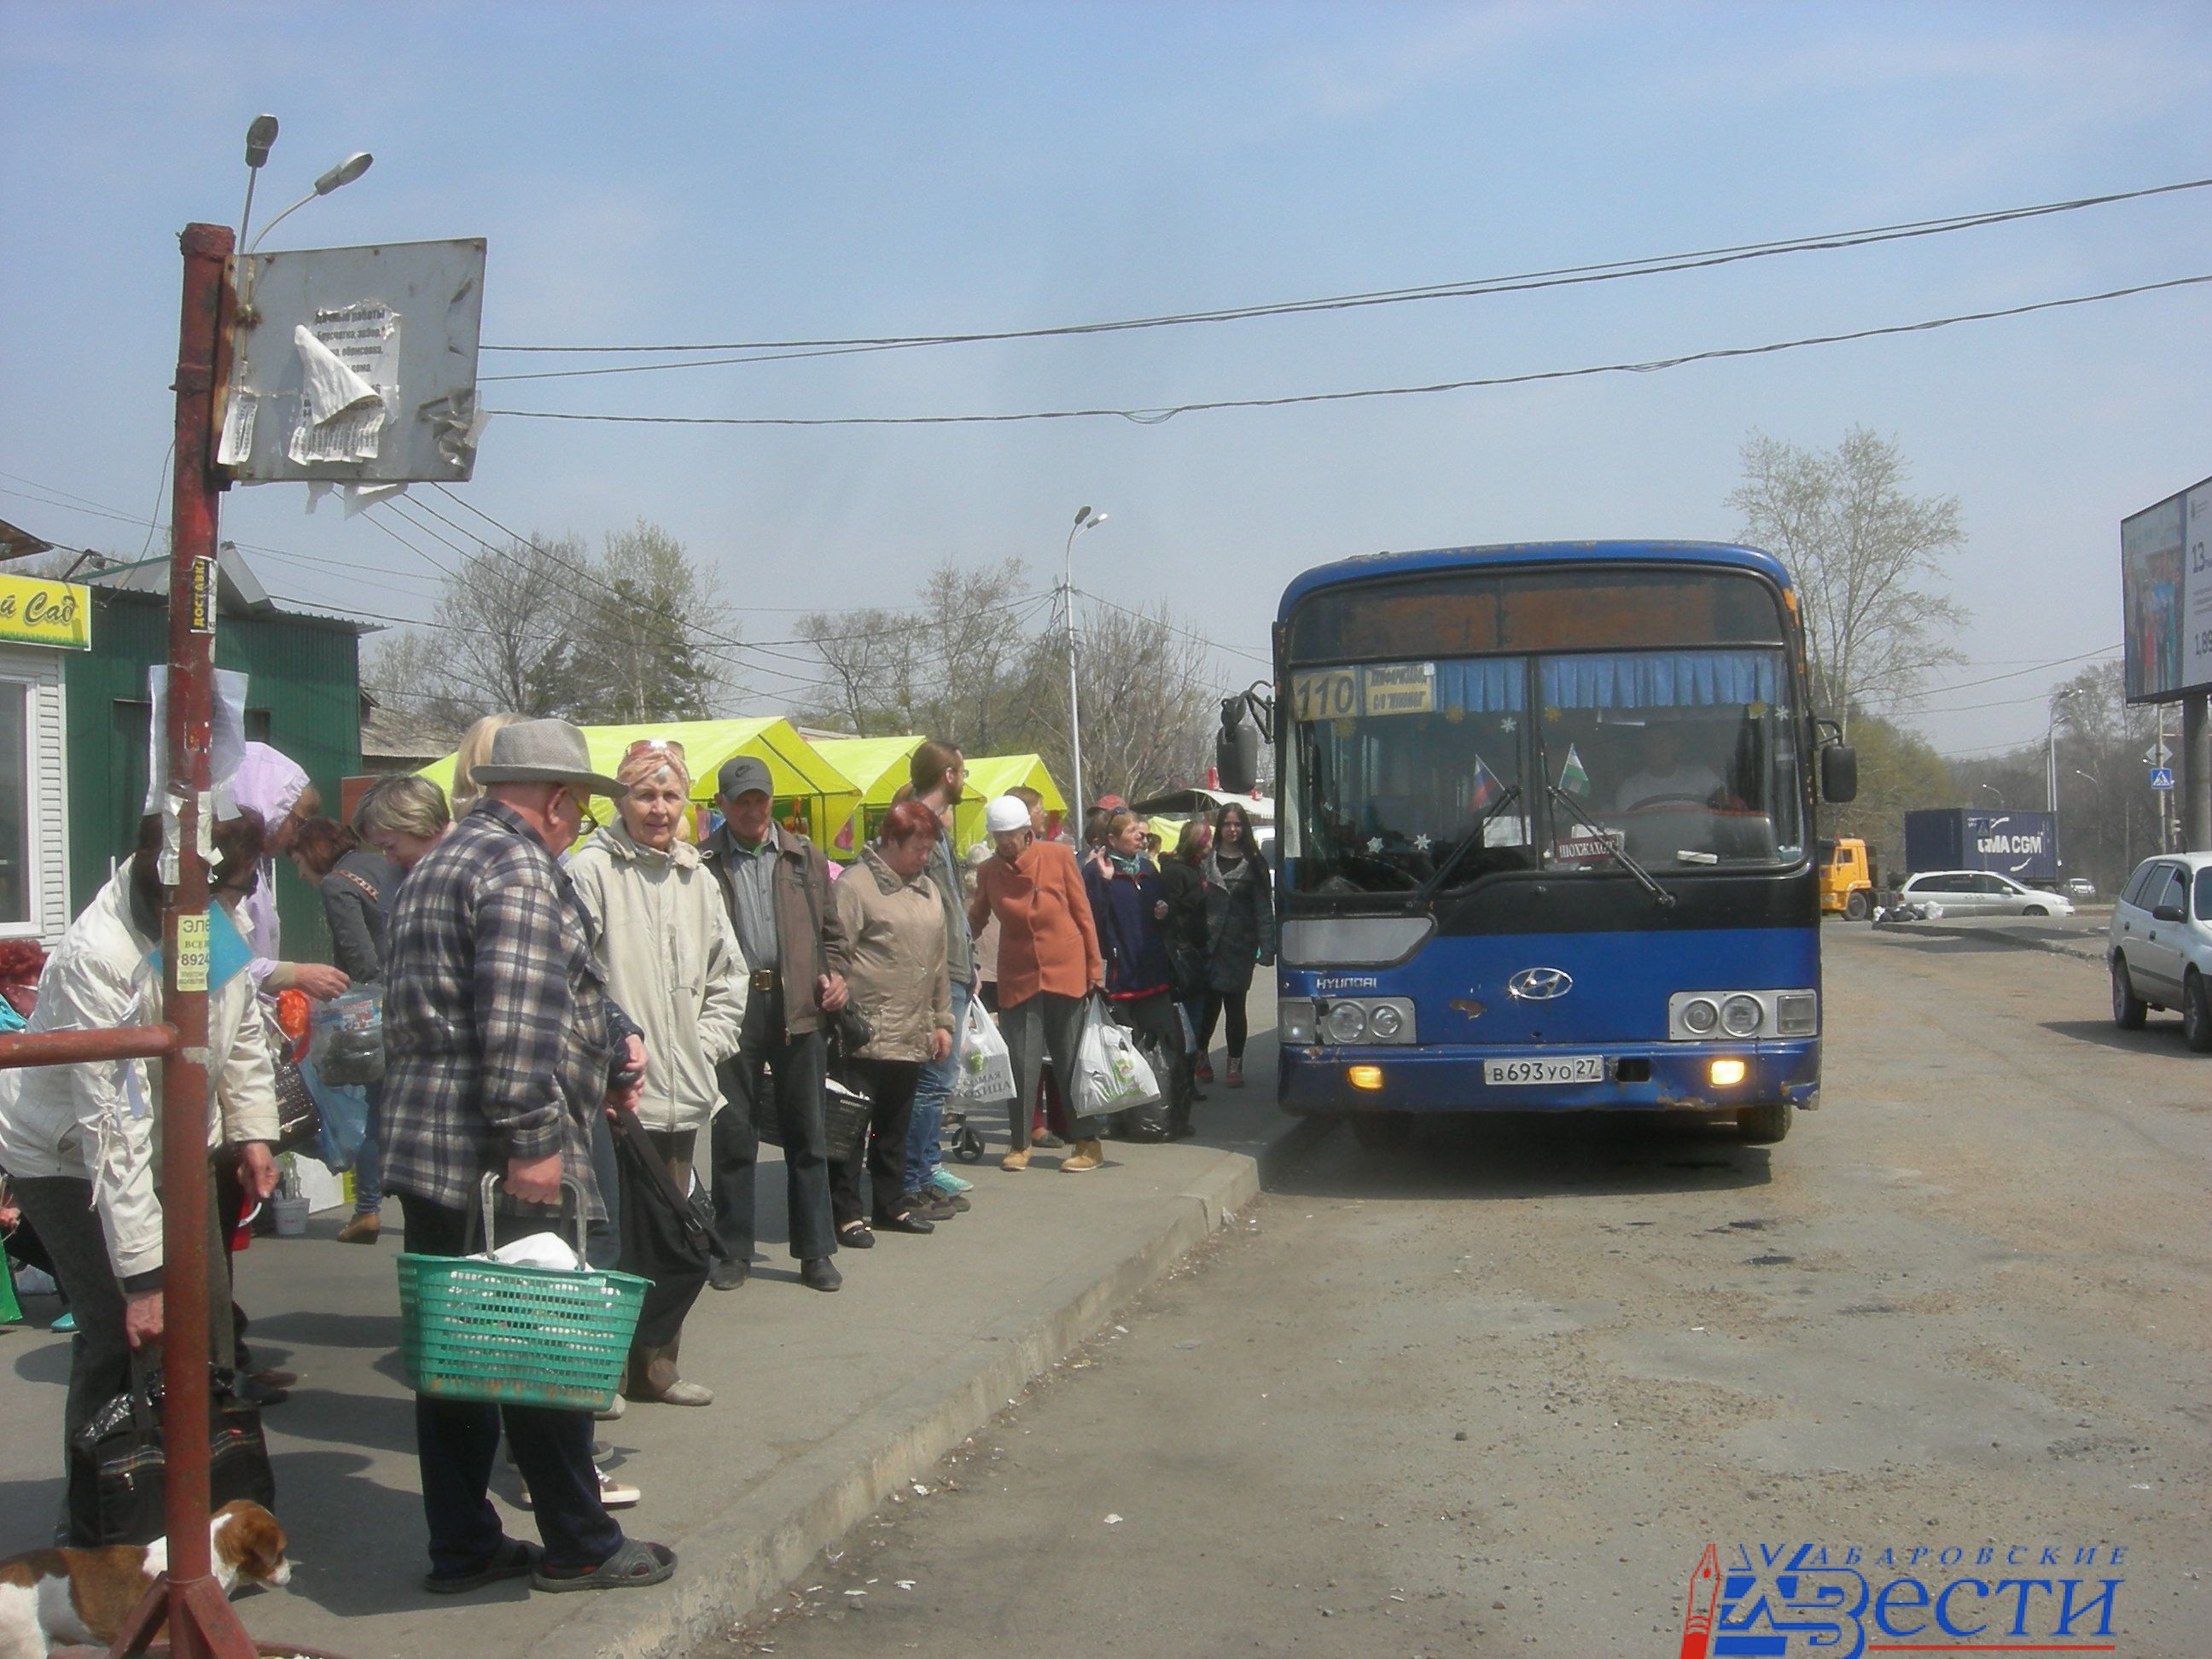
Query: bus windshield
{"x": 1684, "y": 760}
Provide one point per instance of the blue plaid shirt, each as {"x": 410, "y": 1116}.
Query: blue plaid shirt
{"x": 499, "y": 1035}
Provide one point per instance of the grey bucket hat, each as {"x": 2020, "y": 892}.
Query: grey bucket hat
{"x": 545, "y": 751}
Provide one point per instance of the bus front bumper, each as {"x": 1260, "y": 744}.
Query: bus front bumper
{"x": 1665, "y": 1077}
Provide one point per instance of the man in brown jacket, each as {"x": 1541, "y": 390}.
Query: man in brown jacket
{"x": 777, "y": 887}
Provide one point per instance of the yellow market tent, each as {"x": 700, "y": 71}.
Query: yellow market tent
{"x": 993, "y": 774}
{"x": 877, "y": 766}
{"x": 805, "y": 783}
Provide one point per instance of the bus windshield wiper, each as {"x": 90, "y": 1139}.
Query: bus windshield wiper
{"x": 1620, "y": 852}
{"x": 1466, "y": 844}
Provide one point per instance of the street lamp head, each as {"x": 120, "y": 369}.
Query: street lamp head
{"x": 1081, "y": 513}
{"x": 344, "y": 172}
{"x": 1094, "y": 521}
{"x": 259, "y": 136}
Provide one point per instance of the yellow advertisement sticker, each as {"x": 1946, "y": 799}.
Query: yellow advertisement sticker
{"x": 192, "y": 953}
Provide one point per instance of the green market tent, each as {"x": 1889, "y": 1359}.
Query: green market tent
{"x": 993, "y": 774}
{"x": 805, "y": 782}
{"x": 877, "y": 766}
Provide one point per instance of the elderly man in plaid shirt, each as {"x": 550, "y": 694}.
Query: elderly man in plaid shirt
{"x": 502, "y": 1043}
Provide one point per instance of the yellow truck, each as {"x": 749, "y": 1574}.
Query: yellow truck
{"x": 1847, "y": 879}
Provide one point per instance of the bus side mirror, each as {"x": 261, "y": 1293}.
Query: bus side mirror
{"x": 1839, "y": 774}
{"x": 1236, "y": 749}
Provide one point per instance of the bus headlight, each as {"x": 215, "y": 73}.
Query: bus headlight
{"x": 1707, "y": 1016}
{"x": 1294, "y": 1020}
{"x": 1386, "y": 1023}
{"x": 1343, "y": 1023}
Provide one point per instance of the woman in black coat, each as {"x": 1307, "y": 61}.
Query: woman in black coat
{"x": 355, "y": 885}
{"x": 1185, "y": 930}
{"x": 1240, "y": 932}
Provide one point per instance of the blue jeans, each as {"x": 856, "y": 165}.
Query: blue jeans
{"x": 368, "y": 1174}
{"x": 931, "y": 1091}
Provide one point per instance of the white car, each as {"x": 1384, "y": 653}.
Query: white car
{"x": 1982, "y": 893}
{"x": 2159, "y": 946}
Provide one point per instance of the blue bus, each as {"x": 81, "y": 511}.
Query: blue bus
{"x": 1544, "y": 827}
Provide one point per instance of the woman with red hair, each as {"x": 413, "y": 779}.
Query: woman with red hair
{"x": 894, "y": 922}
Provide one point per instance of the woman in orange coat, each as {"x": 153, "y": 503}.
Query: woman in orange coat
{"x": 1048, "y": 964}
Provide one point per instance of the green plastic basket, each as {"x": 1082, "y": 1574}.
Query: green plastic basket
{"x": 515, "y": 1336}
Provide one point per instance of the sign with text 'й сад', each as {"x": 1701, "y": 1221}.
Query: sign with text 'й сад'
{"x": 34, "y": 611}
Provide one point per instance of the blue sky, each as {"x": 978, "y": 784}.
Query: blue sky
{"x": 744, "y": 173}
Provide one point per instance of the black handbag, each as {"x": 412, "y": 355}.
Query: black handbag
{"x": 117, "y": 1466}
{"x": 668, "y": 1236}
{"x": 298, "y": 1120}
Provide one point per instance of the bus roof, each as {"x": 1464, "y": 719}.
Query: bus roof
{"x": 1369, "y": 566}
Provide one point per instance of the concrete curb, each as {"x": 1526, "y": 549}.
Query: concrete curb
{"x": 2082, "y": 952}
{"x": 735, "y": 1566}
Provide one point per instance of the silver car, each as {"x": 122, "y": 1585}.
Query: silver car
{"x": 2159, "y": 945}
{"x": 1982, "y": 893}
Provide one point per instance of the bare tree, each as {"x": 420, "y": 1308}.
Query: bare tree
{"x": 655, "y": 643}
{"x": 501, "y": 639}
{"x": 1148, "y": 699}
{"x": 958, "y": 664}
{"x": 1862, "y": 553}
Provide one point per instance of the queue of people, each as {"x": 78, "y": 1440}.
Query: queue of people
{"x": 541, "y": 983}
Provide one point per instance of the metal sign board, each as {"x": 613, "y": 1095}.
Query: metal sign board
{"x": 2165, "y": 595}
{"x": 354, "y": 365}
{"x": 2161, "y": 777}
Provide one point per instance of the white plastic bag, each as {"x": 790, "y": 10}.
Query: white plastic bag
{"x": 986, "y": 1070}
{"x": 1111, "y": 1074}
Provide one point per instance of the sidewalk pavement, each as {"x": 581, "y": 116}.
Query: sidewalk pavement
{"x": 825, "y": 1404}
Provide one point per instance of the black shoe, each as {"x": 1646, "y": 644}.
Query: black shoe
{"x": 930, "y": 1206}
{"x": 729, "y": 1275}
{"x": 855, "y": 1236}
{"x": 818, "y": 1273}
{"x": 254, "y": 1392}
{"x": 911, "y": 1222}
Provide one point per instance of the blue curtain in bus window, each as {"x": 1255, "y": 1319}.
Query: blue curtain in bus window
{"x": 1482, "y": 685}
{"x": 1660, "y": 679}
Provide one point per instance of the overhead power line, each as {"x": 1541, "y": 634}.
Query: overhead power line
{"x": 1568, "y": 276}
{"x": 1158, "y": 415}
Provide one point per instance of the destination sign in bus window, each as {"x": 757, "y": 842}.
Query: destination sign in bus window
{"x": 1400, "y": 688}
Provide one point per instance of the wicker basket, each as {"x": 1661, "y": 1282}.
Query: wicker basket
{"x": 479, "y": 1330}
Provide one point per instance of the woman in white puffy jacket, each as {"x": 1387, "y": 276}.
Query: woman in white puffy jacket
{"x": 672, "y": 964}
{"x": 82, "y": 1143}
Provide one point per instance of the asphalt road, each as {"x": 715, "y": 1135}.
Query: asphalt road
{"x": 1496, "y": 1393}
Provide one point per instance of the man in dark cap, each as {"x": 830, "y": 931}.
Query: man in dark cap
{"x": 503, "y": 1046}
{"x": 776, "y": 884}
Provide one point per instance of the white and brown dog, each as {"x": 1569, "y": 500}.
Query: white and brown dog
{"x": 50, "y": 1598}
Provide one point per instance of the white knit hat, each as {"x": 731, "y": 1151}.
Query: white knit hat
{"x": 1006, "y": 815}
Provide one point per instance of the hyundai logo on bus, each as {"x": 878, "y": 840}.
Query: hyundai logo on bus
{"x": 1540, "y": 984}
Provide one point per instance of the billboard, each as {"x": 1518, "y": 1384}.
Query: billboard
{"x": 2166, "y": 589}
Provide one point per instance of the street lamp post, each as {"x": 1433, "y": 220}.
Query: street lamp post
{"x": 2050, "y": 750}
{"x": 1085, "y": 519}
{"x": 1994, "y": 790}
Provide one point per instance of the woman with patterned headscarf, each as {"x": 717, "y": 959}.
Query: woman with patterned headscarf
{"x": 671, "y": 962}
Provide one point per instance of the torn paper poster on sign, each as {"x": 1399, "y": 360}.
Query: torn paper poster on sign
{"x": 348, "y": 382}
{"x": 237, "y": 428}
